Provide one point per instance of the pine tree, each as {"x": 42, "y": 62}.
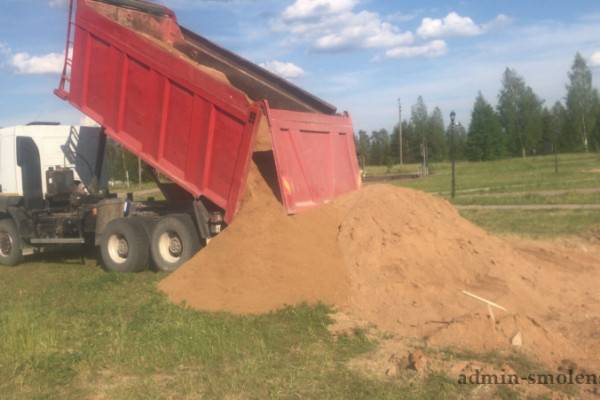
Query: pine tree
{"x": 438, "y": 150}
{"x": 582, "y": 103}
{"x": 484, "y": 139}
{"x": 545, "y": 146}
{"x": 363, "y": 147}
{"x": 508, "y": 108}
{"x": 394, "y": 146}
{"x": 420, "y": 121}
{"x": 558, "y": 125}
{"x": 460, "y": 141}
{"x": 520, "y": 111}
{"x": 531, "y": 117}
{"x": 596, "y": 132}
{"x": 411, "y": 143}
{"x": 380, "y": 147}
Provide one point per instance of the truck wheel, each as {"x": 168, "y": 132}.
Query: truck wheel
{"x": 124, "y": 246}
{"x": 174, "y": 241}
{"x": 10, "y": 243}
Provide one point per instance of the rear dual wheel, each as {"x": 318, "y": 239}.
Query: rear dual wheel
{"x": 128, "y": 243}
{"x": 125, "y": 246}
{"x": 174, "y": 241}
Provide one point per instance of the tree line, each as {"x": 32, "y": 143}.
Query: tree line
{"x": 125, "y": 167}
{"x": 520, "y": 125}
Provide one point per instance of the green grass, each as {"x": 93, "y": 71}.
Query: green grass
{"x": 394, "y": 169}
{"x": 134, "y": 186}
{"x": 536, "y": 223}
{"x": 530, "y": 199}
{"x": 515, "y": 175}
{"x": 519, "y": 181}
{"x": 71, "y": 332}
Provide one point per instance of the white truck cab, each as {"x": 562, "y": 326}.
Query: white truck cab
{"x": 51, "y": 179}
{"x": 48, "y": 138}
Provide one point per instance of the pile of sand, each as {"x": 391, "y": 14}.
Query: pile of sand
{"x": 394, "y": 257}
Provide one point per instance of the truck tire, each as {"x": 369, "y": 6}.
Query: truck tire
{"x": 124, "y": 246}
{"x": 11, "y": 253}
{"x": 174, "y": 241}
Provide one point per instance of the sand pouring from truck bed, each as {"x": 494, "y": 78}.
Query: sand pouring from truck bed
{"x": 264, "y": 260}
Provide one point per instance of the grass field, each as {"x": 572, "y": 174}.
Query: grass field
{"x": 517, "y": 182}
{"x": 72, "y": 331}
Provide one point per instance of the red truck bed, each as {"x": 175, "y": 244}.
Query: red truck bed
{"x": 137, "y": 73}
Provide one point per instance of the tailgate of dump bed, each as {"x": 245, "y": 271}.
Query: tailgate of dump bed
{"x": 315, "y": 157}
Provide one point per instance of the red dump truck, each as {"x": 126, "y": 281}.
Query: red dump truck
{"x": 191, "y": 111}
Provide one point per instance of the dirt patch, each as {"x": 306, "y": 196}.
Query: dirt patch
{"x": 411, "y": 360}
{"x": 591, "y": 170}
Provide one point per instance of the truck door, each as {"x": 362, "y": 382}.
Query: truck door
{"x": 28, "y": 158}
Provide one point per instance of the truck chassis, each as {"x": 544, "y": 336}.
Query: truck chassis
{"x": 130, "y": 235}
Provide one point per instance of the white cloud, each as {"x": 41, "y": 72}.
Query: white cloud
{"x": 24, "y": 63}
{"x": 27, "y": 64}
{"x": 500, "y": 21}
{"x": 57, "y": 3}
{"x": 434, "y": 48}
{"x": 301, "y": 9}
{"x": 337, "y": 25}
{"x": 595, "y": 59}
{"x": 286, "y": 70}
{"x": 451, "y": 25}
{"x": 362, "y": 30}
{"x": 333, "y": 25}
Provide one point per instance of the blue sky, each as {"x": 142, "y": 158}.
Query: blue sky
{"x": 361, "y": 55}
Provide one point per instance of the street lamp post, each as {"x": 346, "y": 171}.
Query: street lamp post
{"x": 453, "y": 152}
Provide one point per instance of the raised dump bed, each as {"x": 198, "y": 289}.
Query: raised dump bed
{"x": 191, "y": 109}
